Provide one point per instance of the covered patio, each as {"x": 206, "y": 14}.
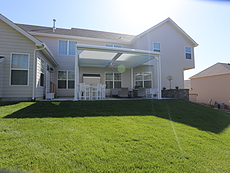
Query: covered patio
{"x": 112, "y": 57}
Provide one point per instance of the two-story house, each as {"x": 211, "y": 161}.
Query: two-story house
{"x": 36, "y": 60}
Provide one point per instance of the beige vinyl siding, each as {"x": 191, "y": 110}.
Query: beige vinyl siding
{"x": 1, "y": 77}
{"x": 15, "y": 42}
{"x": 41, "y": 90}
{"x": 173, "y": 45}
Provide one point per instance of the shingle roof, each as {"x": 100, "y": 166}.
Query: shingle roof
{"x": 216, "y": 69}
{"x": 77, "y": 32}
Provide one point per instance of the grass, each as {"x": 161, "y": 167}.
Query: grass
{"x": 114, "y": 136}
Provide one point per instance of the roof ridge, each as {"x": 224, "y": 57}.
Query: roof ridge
{"x": 224, "y": 65}
{"x": 102, "y": 31}
{"x": 79, "y": 32}
{"x": 73, "y": 28}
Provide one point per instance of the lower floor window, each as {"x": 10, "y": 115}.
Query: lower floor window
{"x": 112, "y": 80}
{"x": 19, "y": 69}
{"x": 19, "y": 77}
{"x": 65, "y": 79}
{"x": 143, "y": 79}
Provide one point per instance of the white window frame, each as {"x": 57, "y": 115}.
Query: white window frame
{"x": 68, "y": 47}
{"x": 11, "y": 56}
{"x": 113, "y": 80}
{"x": 67, "y": 79}
{"x": 113, "y": 45}
{"x": 156, "y": 49}
{"x": 185, "y": 52}
{"x": 143, "y": 80}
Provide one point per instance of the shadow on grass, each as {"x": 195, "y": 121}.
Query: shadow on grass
{"x": 195, "y": 115}
{"x": 7, "y": 104}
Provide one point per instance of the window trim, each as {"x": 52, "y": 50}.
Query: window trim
{"x": 113, "y": 80}
{"x": 143, "y": 81}
{"x": 185, "y": 52}
{"x": 11, "y": 56}
{"x": 68, "y": 47}
{"x": 156, "y": 50}
{"x": 67, "y": 80}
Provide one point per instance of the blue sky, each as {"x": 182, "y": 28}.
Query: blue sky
{"x": 207, "y": 22}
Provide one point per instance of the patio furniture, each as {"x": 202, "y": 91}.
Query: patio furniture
{"x": 124, "y": 92}
{"x": 96, "y": 92}
{"x": 49, "y": 96}
{"x": 84, "y": 91}
{"x": 152, "y": 92}
{"x": 141, "y": 92}
{"x": 114, "y": 92}
{"x": 134, "y": 93}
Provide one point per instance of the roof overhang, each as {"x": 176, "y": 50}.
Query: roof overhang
{"x": 101, "y": 56}
{"x": 49, "y": 54}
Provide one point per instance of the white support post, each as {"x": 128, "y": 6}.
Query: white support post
{"x": 159, "y": 76}
{"x": 76, "y": 74}
{"x": 131, "y": 78}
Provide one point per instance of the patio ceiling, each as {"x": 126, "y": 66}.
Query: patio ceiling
{"x": 101, "y": 56}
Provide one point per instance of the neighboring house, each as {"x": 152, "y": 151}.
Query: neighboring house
{"x": 212, "y": 83}
{"x": 36, "y": 60}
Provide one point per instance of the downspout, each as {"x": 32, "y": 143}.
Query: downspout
{"x": 35, "y": 71}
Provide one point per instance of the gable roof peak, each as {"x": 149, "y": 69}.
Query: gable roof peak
{"x": 161, "y": 23}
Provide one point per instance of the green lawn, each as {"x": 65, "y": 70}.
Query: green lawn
{"x": 114, "y": 136}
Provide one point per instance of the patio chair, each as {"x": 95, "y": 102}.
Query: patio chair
{"x": 84, "y": 91}
{"x": 114, "y": 92}
{"x": 141, "y": 92}
{"x": 96, "y": 92}
{"x": 152, "y": 92}
{"x": 124, "y": 92}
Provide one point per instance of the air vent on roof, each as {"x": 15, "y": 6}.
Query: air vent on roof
{"x": 54, "y": 27}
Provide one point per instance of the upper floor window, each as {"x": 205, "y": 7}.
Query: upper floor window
{"x": 112, "y": 80}
{"x": 113, "y": 45}
{"x": 188, "y": 53}
{"x": 67, "y": 47}
{"x": 156, "y": 47}
{"x": 19, "y": 69}
{"x": 143, "y": 79}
